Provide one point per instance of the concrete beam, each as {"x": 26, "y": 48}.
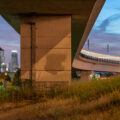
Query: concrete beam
{"x": 93, "y": 16}
{"x": 87, "y": 64}
{"x": 82, "y": 7}
{"x": 77, "y": 28}
{"x": 13, "y": 20}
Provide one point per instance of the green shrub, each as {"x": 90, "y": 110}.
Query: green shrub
{"x": 5, "y": 77}
{"x": 16, "y": 79}
{"x": 10, "y": 94}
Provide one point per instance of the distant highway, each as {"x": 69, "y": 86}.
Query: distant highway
{"x": 100, "y": 57}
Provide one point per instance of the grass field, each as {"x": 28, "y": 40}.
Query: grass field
{"x": 96, "y": 100}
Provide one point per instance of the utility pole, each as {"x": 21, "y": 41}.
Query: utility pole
{"x": 88, "y": 45}
{"x": 108, "y": 48}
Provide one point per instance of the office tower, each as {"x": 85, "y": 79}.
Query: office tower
{"x": 13, "y": 64}
{"x": 3, "y": 67}
{"x": 1, "y": 57}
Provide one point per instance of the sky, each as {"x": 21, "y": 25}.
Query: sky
{"x": 106, "y": 30}
{"x": 9, "y": 39}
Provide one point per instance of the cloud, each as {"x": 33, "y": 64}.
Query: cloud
{"x": 105, "y": 23}
{"x": 106, "y": 30}
{"x": 99, "y": 40}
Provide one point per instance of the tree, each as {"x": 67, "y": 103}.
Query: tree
{"x": 5, "y": 76}
{"x": 16, "y": 79}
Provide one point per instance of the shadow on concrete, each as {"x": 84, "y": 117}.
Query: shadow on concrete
{"x": 55, "y": 62}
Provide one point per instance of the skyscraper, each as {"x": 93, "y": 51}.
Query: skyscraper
{"x": 13, "y": 64}
{"x": 3, "y": 67}
{"x": 1, "y": 57}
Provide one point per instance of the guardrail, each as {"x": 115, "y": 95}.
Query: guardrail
{"x": 99, "y": 59}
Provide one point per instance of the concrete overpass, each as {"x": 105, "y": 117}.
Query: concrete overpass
{"x": 88, "y": 60}
{"x": 51, "y": 31}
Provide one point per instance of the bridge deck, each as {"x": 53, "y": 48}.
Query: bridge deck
{"x": 100, "y": 57}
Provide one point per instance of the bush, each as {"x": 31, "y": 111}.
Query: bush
{"x": 12, "y": 94}
{"x": 5, "y": 77}
{"x": 16, "y": 79}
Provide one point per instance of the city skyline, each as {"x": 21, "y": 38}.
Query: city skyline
{"x": 12, "y": 65}
{"x": 8, "y": 50}
{"x": 9, "y": 42}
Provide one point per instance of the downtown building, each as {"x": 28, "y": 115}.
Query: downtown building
{"x": 13, "y": 64}
{"x": 3, "y": 67}
{"x": 2, "y": 58}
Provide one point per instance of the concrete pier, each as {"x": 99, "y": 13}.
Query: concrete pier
{"x": 84, "y": 75}
{"x": 46, "y": 48}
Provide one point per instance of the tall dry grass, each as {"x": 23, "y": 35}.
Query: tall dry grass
{"x": 95, "y": 100}
{"x": 86, "y": 91}
{"x": 68, "y": 109}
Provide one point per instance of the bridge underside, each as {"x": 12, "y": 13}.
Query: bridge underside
{"x": 50, "y": 34}
{"x": 86, "y": 64}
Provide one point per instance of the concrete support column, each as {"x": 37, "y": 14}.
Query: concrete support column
{"x": 84, "y": 75}
{"x": 46, "y": 48}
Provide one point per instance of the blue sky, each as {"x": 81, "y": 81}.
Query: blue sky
{"x": 106, "y": 29}
{"x": 9, "y": 39}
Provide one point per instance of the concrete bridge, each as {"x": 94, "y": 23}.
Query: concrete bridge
{"x": 88, "y": 60}
{"x": 52, "y": 34}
